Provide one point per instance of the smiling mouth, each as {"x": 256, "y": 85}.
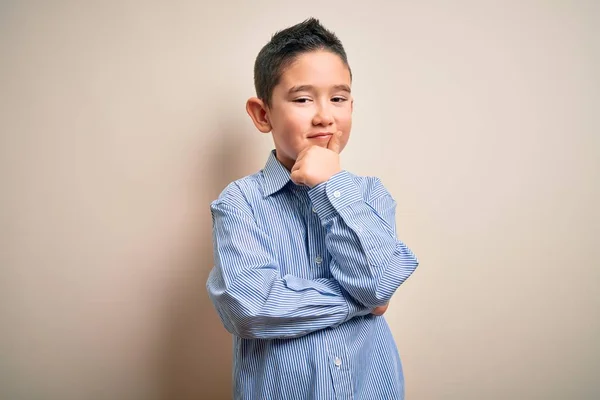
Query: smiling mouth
{"x": 320, "y": 136}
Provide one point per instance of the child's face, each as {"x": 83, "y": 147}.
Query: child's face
{"x": 311, "y": 102}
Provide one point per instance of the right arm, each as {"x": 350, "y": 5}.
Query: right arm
{"x": 251, "y": 297}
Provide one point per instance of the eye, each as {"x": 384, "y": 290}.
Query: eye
{"x": 302, "y": 100}
{"x": 339, "y": 99}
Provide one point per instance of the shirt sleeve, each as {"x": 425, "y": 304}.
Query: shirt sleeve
{"x": 368, "y": 261}
{"x": 251, "y": 297}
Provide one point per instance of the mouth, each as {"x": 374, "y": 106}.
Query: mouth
{"x": 320, "y": 135}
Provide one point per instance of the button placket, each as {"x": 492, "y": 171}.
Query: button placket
{"x": 339, "y": 366}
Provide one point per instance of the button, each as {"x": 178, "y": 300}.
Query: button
{"x": 337, "y": 362}
{"x": 337, "y": 194}
{"x": 313, "y": 210}
{"x": 319, "y": 259}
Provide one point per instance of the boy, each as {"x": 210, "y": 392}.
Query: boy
{"x": 306, "y": 253}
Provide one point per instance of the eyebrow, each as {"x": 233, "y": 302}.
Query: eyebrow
{"x": 303, "y": 88}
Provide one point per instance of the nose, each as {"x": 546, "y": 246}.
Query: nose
{"x": 323, "y": 115}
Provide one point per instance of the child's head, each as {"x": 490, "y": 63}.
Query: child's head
{"x": 303, "y": 81}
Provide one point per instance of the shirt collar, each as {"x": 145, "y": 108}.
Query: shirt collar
{"x": 275, "y": 174}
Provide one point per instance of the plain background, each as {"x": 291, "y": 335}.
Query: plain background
{"x": 121, "y": 120}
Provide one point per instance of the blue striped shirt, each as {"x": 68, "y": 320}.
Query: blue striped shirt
{"x": 297, "y": 273}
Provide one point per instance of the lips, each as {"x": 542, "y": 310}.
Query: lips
{"x": 320, "y": 135}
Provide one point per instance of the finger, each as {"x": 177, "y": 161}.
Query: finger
{"x": 297, "y": 178}
{"x": 334, "y": 142}
{"x": 297, "y": 165}
{"x": 302, "y": 153}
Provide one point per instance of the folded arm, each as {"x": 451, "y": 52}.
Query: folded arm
{"x": 251, "y": 297}
{"x": 368, "y": 261}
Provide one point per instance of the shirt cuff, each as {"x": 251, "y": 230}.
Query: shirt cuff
{"x": 356, "y": 310}
{"x": 353, "y": 308}
{"x": 332, "y": 196}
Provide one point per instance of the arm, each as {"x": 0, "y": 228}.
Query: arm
{"x": 367, "y": 259}
{"x": 251, "y": 297}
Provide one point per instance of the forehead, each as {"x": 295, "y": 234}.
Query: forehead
{"x": 315, "y": 68}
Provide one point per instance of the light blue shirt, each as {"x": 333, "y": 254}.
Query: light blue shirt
{"x": 297, "y": 273}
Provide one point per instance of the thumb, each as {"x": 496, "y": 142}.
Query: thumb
{"x": 334, "y": 142}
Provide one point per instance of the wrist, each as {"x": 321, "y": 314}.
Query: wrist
{"x": 326, "y": 177}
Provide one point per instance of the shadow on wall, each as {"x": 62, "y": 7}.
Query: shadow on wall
{"x": 196, "y": 350}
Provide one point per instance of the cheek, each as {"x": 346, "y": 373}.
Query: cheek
{"x": 345, "y": 140}
{"x": 300, "y": 119}
{"x": 345, "y": 125}
{"x": 293, "y": 120}
{"x": 344, "y": 119}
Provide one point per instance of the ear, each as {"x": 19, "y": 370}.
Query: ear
{"x": 352, "y": 105}
{"x": 257, "y": 110}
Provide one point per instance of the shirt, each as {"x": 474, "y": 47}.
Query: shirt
{"x": 297, "y": 273}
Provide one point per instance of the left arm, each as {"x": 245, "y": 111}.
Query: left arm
{"x": 368, "y": 261}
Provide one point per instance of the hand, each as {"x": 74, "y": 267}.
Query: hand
{"x": 379, "y": 311}
{"x": 315, "y": 164}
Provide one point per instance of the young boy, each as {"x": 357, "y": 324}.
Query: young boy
{"x": 306, "y": 253}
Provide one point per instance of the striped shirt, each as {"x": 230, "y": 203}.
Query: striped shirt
{"x": 297, "y": 273}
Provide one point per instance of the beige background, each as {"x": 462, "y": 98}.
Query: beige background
{"x": 120, "y": 121}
